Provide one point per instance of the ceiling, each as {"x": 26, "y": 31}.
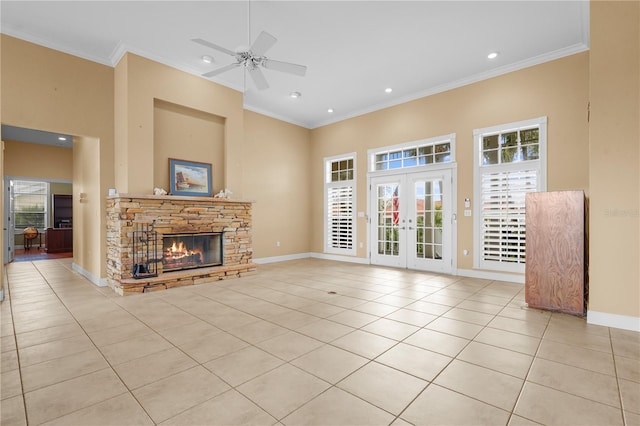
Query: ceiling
{"x": 354, "y": 50}
{"x": 20, "y": 134}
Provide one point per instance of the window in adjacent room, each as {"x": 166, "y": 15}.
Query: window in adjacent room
{"x": 340, "y": 204}
{"x": 30, "y": 204}
{"x": 510, "y": 161}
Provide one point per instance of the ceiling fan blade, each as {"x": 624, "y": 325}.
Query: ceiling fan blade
{"x": 258, "y": 78}
{"x": 220, "y": 70}
{"x": 213, "y": 46}
{"x": 263, "y": 43}
{"x": 285, "y": 67}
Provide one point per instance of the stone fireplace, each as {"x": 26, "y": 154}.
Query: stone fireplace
{"x": 199, "y": 240}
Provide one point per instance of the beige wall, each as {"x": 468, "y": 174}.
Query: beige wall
{"x": 72, "y": 96}
{"x": 615, "y": 159}
{"x": 38, "y": 161}
{"x": 139, "y": 85}
{"x": 557, "y": 89}
{"x": 276, "y": 176}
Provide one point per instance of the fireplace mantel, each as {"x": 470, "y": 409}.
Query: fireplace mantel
{"x": 170, "y": 215}
{"x": 214, "y": 200}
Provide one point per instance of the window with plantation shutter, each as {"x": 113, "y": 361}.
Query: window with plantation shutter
{"x": 511, "y": 161}
{"x": 340, "y": 217}
{"x": 340, "y": 205}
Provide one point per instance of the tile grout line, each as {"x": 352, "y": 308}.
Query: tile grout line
{"x": 615, "y": 370}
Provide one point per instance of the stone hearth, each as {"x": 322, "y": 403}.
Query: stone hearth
{"x": 172, "y": 215}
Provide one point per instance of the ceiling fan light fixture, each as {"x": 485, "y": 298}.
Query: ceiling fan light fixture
{"x": 253, "y": 60}
{"x": 493, "y": 55}
{"x": 207, "y": 59}
{"x": 295, "y": 95}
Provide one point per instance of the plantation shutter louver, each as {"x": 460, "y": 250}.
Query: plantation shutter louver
{"x": 503, "y": 214}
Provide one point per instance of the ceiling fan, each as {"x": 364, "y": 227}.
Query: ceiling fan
{"x": 253, "y": 58}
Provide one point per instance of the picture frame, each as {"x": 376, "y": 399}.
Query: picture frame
{"x": 190, "y": 178}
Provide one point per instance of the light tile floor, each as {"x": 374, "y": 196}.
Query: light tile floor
{"x": 278, "y": 347}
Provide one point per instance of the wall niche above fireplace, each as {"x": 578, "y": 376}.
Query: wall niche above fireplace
{"x": 225, "y": 226}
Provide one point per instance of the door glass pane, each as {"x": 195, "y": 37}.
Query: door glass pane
{"x": 428, "y": 219}
{"x": 388, "y": 216}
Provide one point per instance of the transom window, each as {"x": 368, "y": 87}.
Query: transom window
{"x": 341, "y": 170}
{"x": 511, "y": 146}
{"x": 419, "y": 153}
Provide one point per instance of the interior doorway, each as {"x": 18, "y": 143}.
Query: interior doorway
{"x": 38, "y": 219}
{"x": 38, "y": 171}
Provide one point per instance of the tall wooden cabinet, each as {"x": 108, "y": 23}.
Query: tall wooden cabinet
{"x": 556, "y": 258}
{"x": 62, "y": 211}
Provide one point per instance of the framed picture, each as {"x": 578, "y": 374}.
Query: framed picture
{"x": 190, "y": 178}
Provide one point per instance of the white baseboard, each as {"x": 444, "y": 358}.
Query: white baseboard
{"x": 100, "y": 282}
{"x": 314, "y": 255}
{"x": 489, "y": 275}
{"x": 613, "y": 320}
{"x": 274, "y": 259}
{"x": 337, "y": 257}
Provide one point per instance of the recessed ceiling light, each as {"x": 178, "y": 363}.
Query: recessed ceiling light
{"x": 295, "y": 95}
{"x": 492, "y": 55}
{"x": 330, "y": 110}
{"x": 62, "y": 138}
{"x": 207, "y": 59}
{"x": 388, "y": 90}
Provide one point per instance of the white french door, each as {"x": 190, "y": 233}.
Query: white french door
{"x": 411, "y": 220}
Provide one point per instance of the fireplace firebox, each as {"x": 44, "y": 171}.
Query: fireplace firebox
{"x": 188, "y": 251}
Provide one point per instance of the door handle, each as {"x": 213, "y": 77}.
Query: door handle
{"x": 410, "y": 228}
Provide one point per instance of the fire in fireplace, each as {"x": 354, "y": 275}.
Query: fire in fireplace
{"x": 187, "y": 251}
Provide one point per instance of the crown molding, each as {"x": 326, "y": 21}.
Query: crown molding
{"x": 54, "y": 46}
{"x": 536, "y": 60}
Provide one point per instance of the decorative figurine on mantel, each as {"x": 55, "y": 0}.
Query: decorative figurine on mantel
{"x": 159, "y": 191}
{"x": 224, "y": 193}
